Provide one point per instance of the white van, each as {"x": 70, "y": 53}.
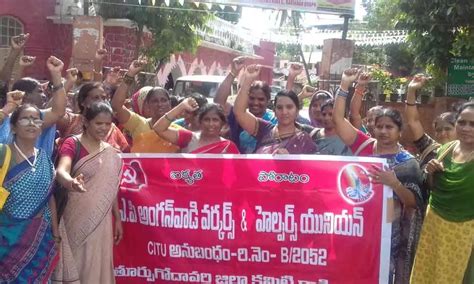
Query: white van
{"x": 204, "y": 84}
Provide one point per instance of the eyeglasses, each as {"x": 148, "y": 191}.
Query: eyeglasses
{"x": 29, "y": 120}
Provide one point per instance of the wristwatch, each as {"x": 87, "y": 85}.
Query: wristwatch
{"x": 57, "y": 88}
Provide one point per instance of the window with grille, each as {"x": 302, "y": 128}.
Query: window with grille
{"x": 9, "y": 27}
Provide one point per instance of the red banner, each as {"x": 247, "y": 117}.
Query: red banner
{"x": 252, "y": 219}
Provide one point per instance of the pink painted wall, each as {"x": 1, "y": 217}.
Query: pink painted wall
{"x": 46, "y": 38}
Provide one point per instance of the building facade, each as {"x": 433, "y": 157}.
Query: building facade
{"x": 49, "y": 23}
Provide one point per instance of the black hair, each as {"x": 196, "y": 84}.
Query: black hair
{"x": 463, "y": 107}
{"x": 448, "y": 117}
{"x": 321, "y": 95}
{"x": 200, "y": 99}
{"x": 260, "y": 85}
{"x": 27, "y": 85}
{"x": 16, "y": 114}
{"x": 391, "y": 113}
{"x": 97, "y": 108}
{"x": 208, "y": 107}
{"x": 157, "y": 90}
{"x": 376, "y": 109}
{"x": 84, "y": 92}
{"x": 327, "y": 103}
{"x": 174, "y": 101}
{"x": 289, "y": 94}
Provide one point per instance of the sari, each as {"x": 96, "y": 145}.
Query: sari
{"x": 188, "y": 141}
{"x": 28, "y": 252}
{"x": 406, "y": 223}
{"x": 221, "y": 147}
{"x": 445, "y": 251}
{"x": 150, "y": 142}
{"x": 329, "y": 145}
{"x": 299, "y": 143}
{"x": 75, "y": 126}
{"x": 86, "y": 248}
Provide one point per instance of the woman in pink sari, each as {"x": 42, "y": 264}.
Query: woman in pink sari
{"x": 86, "y": 228}
{"x": 207, "y": 140}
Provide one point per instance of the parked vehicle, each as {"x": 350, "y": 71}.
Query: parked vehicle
{"x": 204, "y": 84}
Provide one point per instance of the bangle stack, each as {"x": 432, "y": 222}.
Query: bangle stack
{"x": 127, "y": 79}
{"x": 341, "y": 93}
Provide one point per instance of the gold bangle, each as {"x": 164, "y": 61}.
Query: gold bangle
{"x": 57, "y": 239}
{"x": 232, "y": 74}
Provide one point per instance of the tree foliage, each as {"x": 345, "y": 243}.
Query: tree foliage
{"x": 173, "y": 30}
{"x": 227, "y": 14}
{"x": 288, "y": 51}
{"x": 439, "y": 29}
{"x": 381, "y": 14}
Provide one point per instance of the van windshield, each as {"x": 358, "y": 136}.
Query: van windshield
{"x": 186, "y": 88}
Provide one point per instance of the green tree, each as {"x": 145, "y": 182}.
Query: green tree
{"x": 439, "y": 30}
{"x": 227, "y": 13}
{"x": 288, "y": 51}
{"x": 173, "y": 30}
{"x": 381, "y": 14}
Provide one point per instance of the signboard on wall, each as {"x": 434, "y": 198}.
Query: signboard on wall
{"x": 461, "y": 77}
{"x": 319, "y": 6}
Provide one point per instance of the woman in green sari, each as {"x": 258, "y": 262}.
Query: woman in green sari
{"x": 447, "y": 236}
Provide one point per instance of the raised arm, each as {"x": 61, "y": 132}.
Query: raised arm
{"x": 161, "y": 127}
{"x": 25, "y": 62}
{"x": 59, "y": 100}
{"x": 346, "y": 131}
{"x": 121, "y": 112}
{"x": 14, "y": 100}
{"x": 17, "y": 45}
{"x": 100, "y": 56}
{"x": 411, "y": 112}
{"x": 295, "y": 70}
{"x": 306, "y": 92}
{"x": 246, "y": 120}
{"x": 225, "y": 88}
{"x": 356, "y": 101}
{"x": 71, "y": 78}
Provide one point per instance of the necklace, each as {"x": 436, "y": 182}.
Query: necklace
{"x": 33, "y": 169}
{"x": 278, "y": 137}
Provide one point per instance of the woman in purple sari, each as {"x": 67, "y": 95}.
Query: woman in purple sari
{"x": 287, "y": 136}
{"x": 27, "y": 243}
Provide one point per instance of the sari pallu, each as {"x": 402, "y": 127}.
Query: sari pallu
{"x": 406, "y": 225}
{"x": 406, "y": 222}
{"x": 27, "y": 250}
{"x": 221, "y": 147}
{"x": 86, "y": 225}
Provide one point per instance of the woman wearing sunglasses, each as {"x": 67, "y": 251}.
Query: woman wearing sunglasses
{"x": 28, "y": 238}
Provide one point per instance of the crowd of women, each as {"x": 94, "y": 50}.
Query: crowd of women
{"x": 59, "y": 216}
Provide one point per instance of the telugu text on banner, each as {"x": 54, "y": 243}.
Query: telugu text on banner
{"x": 252, "y": 219}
